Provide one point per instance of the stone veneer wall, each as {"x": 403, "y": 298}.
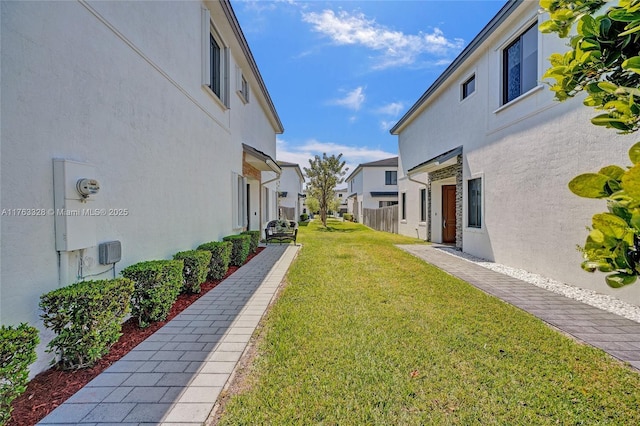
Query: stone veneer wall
{"x": 445, "y": 173}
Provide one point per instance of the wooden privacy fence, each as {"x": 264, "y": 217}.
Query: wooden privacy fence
{"x": 382, "y": 219}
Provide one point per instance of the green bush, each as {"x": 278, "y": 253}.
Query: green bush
{"x": 304, "y": 217}
{"x": 240, "y": 248}
{"x": 17, "y": 352}
{"x": 87, "y": 319}
{"x": 220, "y": 258}
{"x": 157, "y": 286}
{"x": 255, "y": 240}
{"x": 196, "y": 268}
{"x": 348, "y": 217}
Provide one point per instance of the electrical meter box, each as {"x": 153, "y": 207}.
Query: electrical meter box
{"x": 74, "y": 190}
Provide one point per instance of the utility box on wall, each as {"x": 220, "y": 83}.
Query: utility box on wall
{"x": 74, "y": 190}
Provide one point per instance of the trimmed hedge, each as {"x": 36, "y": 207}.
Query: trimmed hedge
{"x": 304, "y": 217}
{"x": 87, "y": 319}
{"x": 220, "y": 258}
{"x": 157, "y": 286}
{"x": 240, "y": 248}
{"x": 17, "y": 352}
{"x": 348, "y": 217}
{"x": 255, "y": 240}
{"x": 196, "y": 268}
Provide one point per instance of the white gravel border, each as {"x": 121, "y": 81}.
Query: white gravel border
{"x": 590, "y": 297}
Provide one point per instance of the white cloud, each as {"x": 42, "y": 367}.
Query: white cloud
{"x": 353, "y": 155}
{"x": 393, "y": 109}
{"x": 353, "y": 100}
{"x": 396, "y": 48}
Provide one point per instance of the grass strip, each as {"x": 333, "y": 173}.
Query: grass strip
{"x": 365, "y": 333}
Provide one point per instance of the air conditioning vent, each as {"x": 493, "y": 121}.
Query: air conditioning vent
{"x": 109, "y": 252}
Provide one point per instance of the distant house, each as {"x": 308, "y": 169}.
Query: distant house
{"x": 342, "y": 195}
{"x": 158, "y": 107}
{"x": 486, "y": 153}
{"x": 372, "y": 185}
{"x": 290, "y": 191}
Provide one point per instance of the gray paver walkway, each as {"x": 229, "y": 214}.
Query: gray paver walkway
{"x": 612, "y": 333}
{"x": 175, "y": 376}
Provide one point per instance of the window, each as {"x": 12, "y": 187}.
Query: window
{"x": 468, "y": 87}
{"x": 215, "y": 68}
{"x": 475, "y": 202}
{"x": 404, "y": 206}
{"x": 215, "y": 60}
{"x": 242, "y": 86}
{"x": 520, "y": 65}
{"x": 267, "y": 207}
{"x": 240, "y": 205}
{"x": 391, "y": 177}
{"x": 423, "y": 205}
{"x": 386, "y": 203}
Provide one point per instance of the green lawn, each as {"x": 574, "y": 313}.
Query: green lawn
{"x": 364, "y": 334}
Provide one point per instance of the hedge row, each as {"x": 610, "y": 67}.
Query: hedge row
{"x": 220, "y": 258}
{"x": 17, "y": 352}
{"x": 87, "y": 319}
{"x": 87, "y": 316}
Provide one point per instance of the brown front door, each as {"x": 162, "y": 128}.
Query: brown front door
{"x": 449, "y": 214}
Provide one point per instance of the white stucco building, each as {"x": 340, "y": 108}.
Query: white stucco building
{"x": 290, "y": 191}
{"x": 372, "y": 185}
{"x": 486, "y": 154}
{"x": 160, "y": 104}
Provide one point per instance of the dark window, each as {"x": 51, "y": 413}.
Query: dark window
{"x": 216, "y": 66}
{"x": 423, "y": 205}
{"x": 468, "y": 87}
{"x": 390, "y": 177}
{"x": 520, "y": 65}
{"x": 475, "y": 203}
{"x": 386, "y": 203}
{"x": 404, "y": 206}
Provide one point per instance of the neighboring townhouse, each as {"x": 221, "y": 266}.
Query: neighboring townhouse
{"x": 486, "y": 154}
{"x": 372, "y": 185}
{"x": 290, "y": 191}
{"x": 157, "y": 108}
{"x": 342, "y": 194}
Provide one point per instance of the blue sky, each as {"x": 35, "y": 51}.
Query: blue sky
{"x": 341, "y": 73}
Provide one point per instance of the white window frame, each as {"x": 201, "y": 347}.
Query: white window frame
{"x": 423, "y": 205}
{"x": 242, "y": 86}
{"x": 531, "y": 25}
{"x": 464, "y": 86}
{"x": 239, "y": 194}
{"x": 467, "y": 203}
{"x": 209, "y": 31}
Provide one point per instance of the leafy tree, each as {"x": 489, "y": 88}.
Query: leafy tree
{"x": 604, "y": 62}
{"x": 324, "y": 174}
{"x": 312, "y": 203}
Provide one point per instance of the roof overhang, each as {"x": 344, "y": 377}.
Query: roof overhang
{"x": 471, "y": 48}
{"x": 260, "y": 160}
{"x": 445, "y": 159}
{"x": 384, "y": 193}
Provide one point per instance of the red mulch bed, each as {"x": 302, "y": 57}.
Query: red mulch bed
{"x": 51, "y": 388}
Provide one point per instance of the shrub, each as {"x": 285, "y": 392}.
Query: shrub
{"x": 348, "y": 217}
{"x": 87, "y": 319}
{"x": 157, "y": 286}
{"x": 255, "y": 240}
{"x": 239, "y": 249}
{"x": 196, "y": 268}
{"x": 220, "y": 258}
{"x": 304, "y": 217}
{"x": 17, "y": 351}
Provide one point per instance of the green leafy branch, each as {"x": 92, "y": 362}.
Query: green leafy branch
{"x": 604, "y": 62}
